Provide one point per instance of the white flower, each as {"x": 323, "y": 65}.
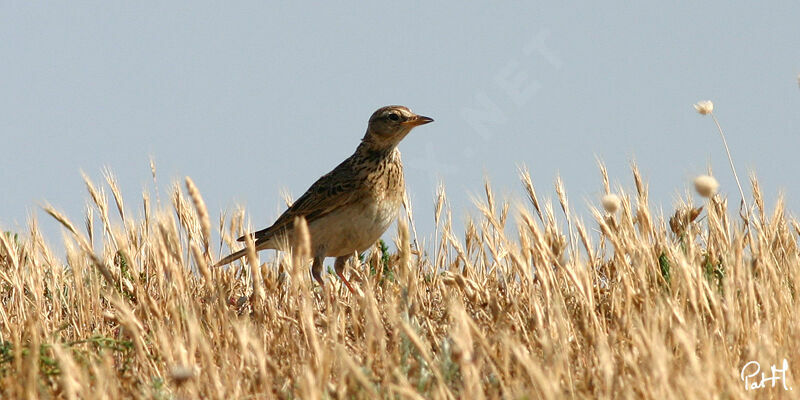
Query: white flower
{"x": 704, "y": 107}
{"x": 706, "y": 185}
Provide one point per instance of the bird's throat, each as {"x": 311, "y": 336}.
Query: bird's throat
{"x": 375, "y": 152}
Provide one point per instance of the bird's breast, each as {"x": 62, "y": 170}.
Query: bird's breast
{"x": 386, "y": 178}
{"x": 355, "y": 228}
{"x": 359, "y": 225}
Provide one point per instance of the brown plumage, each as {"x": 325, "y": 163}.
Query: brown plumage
{"x": 349, "y": 208}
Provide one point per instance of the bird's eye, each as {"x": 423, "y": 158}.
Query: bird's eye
{"x": 393, "y": 117}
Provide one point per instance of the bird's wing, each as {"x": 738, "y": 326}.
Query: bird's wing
{"x": 330, "y": 192}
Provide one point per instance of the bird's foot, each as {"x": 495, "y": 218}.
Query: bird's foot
{"x": 346, "y": 282}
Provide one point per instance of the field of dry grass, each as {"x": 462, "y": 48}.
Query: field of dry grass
{"x": 629, "y": 305}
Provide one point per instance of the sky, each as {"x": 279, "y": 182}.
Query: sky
{"x": 253, "y": 99}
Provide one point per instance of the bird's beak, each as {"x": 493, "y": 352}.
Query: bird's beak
{"x": 418, "y": 120}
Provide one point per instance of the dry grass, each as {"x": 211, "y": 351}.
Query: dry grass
{"x": 647, "y": 306}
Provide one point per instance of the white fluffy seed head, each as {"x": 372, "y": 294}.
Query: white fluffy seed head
{"x": 181, "y": 374}
{"x": 704, "y": 107}
{"x": 706, "y": 185}
{"x": 611, "y": 203}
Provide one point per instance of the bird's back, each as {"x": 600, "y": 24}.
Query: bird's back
{"x": 366, "y": 188}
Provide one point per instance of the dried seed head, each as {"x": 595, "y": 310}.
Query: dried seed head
{"x": 109, "y": 316}
{"x": 706, "y": 185}
{"x": 704, "y": 107}
{"x": 683, "y": 217}
{"x": 611, "y": 203}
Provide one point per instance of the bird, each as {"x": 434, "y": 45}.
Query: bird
{"x": 349, "y": 208}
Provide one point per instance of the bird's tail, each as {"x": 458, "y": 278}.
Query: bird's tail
{"x": 231, "y": 258}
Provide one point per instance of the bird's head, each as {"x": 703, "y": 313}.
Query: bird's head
{"x": 389, "y": 125}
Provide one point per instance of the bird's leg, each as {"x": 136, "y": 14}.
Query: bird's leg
{"x": 316, "y": 270}
{"x": 339, "y": 265}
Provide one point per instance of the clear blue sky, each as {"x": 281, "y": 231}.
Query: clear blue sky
{"x": 249, "y": 98}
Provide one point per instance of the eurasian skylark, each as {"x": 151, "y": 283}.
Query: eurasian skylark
{"x": 349, "y": 208}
